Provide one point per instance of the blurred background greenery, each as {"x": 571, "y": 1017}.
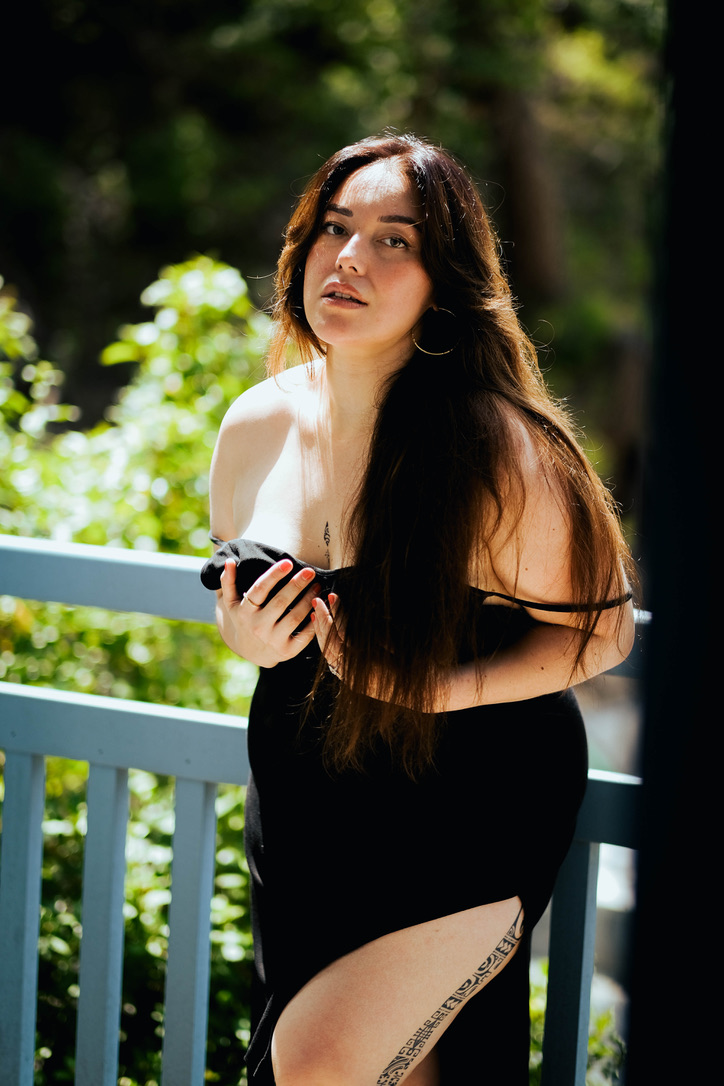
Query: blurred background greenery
{"x": 158, "y": 129}
{"x": 162, "y": 130}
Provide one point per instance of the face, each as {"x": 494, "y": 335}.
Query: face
{"x": 365, "y": 287}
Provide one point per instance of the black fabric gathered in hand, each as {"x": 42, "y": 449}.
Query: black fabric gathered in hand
{"x": 252, "y": 560}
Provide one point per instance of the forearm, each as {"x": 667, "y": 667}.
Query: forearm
{"x": 542, "y": 662}
{"x": 545, "y": 660}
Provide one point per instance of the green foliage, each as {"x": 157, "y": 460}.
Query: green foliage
{"x": 28, "y": 397}
{"x": 606, "y": 1050}
{"x": 141, "y": 482}
{"x": 195, "y": 124}
{"x": 138, "y": 480}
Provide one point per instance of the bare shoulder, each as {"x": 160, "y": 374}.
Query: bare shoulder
{"x": 530, "y": 551}
{"x": 261, "y": 417}
{"x": 269, "y": 402}
{"x": 532, "y": 475}
{"x": 251, "y": 437}
{"x": 531, "y": 554}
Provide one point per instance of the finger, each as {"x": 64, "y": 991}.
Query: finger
{"x": 322, "y": 616}
{"x": 297, "y": 612}
{"x": 292, "y": 631}
{"x": 228, "y": 582}
{"x": 258, "y": 592}
{"x": 324, "y": 627}
{"x": 338, "y": 622}
{"x": 284, "y": 596}
{"x": 301, "y": 638}
{"x": 328, "y": 638}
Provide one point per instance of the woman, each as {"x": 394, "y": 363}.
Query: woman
{"x": 438, "y": 563}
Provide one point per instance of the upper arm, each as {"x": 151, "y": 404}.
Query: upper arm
{"x": 246, "y": 447}
{"x": 531, "y": 553}
{"x": 223, "y": 478}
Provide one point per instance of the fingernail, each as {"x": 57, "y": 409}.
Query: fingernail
{"x": 307, "y": 574}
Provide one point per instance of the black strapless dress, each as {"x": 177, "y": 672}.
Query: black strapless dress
{"x": 339, "y": 860}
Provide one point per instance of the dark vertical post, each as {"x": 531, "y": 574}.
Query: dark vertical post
{"x": 674, "y": 936}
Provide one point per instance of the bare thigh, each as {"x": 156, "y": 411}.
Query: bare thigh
{"x": 372, "y": 1017}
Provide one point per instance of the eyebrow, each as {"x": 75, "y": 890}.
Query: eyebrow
{"x": 339, "y": 210}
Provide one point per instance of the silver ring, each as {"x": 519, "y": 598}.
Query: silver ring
{"x": 245, "y": 597}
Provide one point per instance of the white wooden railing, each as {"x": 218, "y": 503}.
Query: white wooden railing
{"x": 200, "y": 750}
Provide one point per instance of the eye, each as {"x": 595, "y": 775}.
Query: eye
{"x": 334, "y": 229}
{"x": 396, "y": 242}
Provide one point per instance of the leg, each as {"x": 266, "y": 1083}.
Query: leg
{"x": 372, "y": 1017}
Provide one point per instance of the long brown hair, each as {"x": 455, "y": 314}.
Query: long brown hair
{"x": 443, "y": 463}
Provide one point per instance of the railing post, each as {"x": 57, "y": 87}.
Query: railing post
{"x": 101, "y": 956}
{"x": 571, "y": 961}
{"x": 187, "y": 973}
{"x": 22, "y": 851}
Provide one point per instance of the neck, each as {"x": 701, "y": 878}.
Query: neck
{"x": 351, "y": 391}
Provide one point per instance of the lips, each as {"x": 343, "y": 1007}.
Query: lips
{"x": 343, "y": 293}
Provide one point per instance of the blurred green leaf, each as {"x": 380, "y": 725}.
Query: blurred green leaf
{"x": 140, "y": 480}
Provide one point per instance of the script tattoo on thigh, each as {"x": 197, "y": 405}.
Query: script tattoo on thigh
{"x": 414, "y": 1047}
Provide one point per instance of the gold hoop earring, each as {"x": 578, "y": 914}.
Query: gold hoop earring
{"x": 438, "y": 354}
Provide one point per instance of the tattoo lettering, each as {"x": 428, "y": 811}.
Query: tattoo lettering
{"x": 409, "y": 1052}
{"x": 327, "y": 538}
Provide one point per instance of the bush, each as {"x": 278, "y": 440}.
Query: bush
{"x": 137, "y": 480}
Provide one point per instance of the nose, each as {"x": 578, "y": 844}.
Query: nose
{"x": 351, "y": 255}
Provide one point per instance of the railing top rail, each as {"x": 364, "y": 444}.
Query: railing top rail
{"x": 121, "y": 733}
{"x": 116, "y": 578}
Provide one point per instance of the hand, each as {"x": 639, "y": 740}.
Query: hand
{"x": 263, "y": 629}
{"x": 328, "y": 635}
